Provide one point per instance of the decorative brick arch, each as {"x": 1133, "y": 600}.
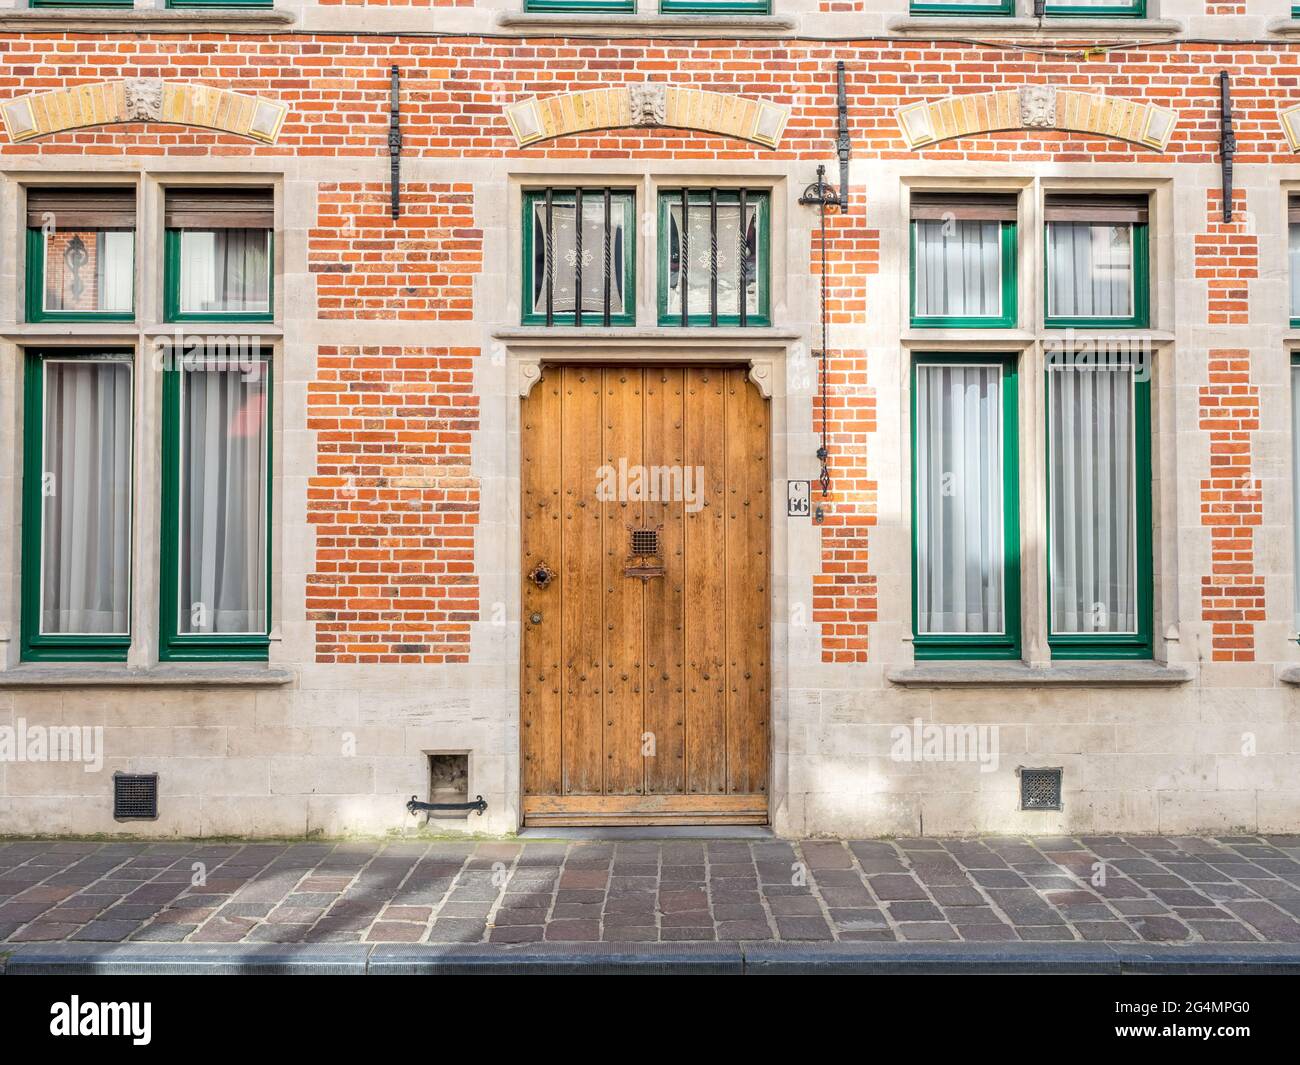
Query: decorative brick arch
{"x": 1037, "y": 107}
{"x": 650, "y": 104}
{"x": 142, "y": 100}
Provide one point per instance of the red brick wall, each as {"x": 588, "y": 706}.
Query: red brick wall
{"x": 1232, "y": 593}
{"x": 394, "y": 504}
{"x": 422, "y": 265}
{"x": 1227, "y": 259}
{"x": 337, "y": 88}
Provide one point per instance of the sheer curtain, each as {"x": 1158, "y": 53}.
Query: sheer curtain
{"x": 1089, "y": 270}
{"x": 86, "y": 513}
{"x": 1295, "y": 482}
{"x": 565, "y": 257}
{"x": 1093, "y": 534}
{"x": 699, "y": 262}
{"x": 958, "y": 269}
{"x": 223, "y": 501}
{"x": 959, "y": 501}
{"x": 116, "y": 269}
{"x": 225, "y": 271}
{"x": 1295, "y": 269}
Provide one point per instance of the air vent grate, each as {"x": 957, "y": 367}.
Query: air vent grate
{"x": 1040, "y": 789}
{"x": 135, "y": 796}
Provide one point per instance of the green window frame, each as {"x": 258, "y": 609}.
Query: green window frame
{"x": 37, "y": 645}
{"x": 715, "y": 7}
{"x": 175, "y": 645}
{"x": 704, "y": 201}
{"x": 236, "y": 208}
{"x": 80, "y": 3}
{"x": 1119, "y": 211}
{"x": 89, "y": 214}
{"x": 220, "y": 3}
{"x": 620, "y": 6}
{"x": 1115, "y": 9}
{"x": 999, "y": 210}
{"x": 1003, "y": 8}
{"x": 621, "y": 207}
{"x": 994, "y": 646}
{"x": 1137, "y": 644}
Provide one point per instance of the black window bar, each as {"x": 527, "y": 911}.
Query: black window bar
{"x": 607, "y": 198}
{"x": 684, "y": 257}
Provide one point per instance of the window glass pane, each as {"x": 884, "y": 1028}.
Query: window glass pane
{"x": 959, "y": 499}
{"x": 1093, "y": 535}
{"x": 223, "y": 479}
{"x": 732, "y": 245}
{"x": 1089, "y": 270}
{"x": 1295, "y": 269}
{"x": 565, "y": 257}
{"x": 225, "y": 271}
{"x": 86, "y": 490}
{"x": 958, "y": 269}
{"x": 89, "y": 270}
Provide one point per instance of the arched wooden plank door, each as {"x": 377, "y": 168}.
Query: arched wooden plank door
{"x": 645, "y": 547}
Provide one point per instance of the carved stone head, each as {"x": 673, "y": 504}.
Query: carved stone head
{"x": 649, "y": 104}
{"x": 1038, "y": 106}
{"x": 143, "y": 99}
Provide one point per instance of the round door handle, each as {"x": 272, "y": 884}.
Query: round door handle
{"x": 535, "y": 617}
{"x": 541, "y": 575}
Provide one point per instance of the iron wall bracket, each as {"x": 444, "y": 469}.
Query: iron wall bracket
{"x": 394, "y": 145}
{"x": 414, "y": 806}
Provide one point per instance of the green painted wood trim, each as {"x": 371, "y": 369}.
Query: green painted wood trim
{"x": 1119, "y": 9}
{"x": 80, "y": 3}
{"x": 624, "y": 6}
{"x": 625, "y": 197}
{"x": 1005, "y": 646}
{"x": 1125, "y": 645}
{"x": 1006, "y": 7}
{"x": 1141, "y": 317}
{"x": 172, "y": 286}
{"x": 36, "y": 311}
{"x": 220, "y": 3}
{"x": 174, "y": 646}
{"x": 715, "y": 7}
{"x": 36, "y": 646}
{"x": 1009, "y": 317}
{"x": 762, "y": 206}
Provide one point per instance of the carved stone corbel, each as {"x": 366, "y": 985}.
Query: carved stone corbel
{"x": 530, "y": 372}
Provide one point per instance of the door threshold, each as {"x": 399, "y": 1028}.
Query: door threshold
{"x": 631, "y": 832}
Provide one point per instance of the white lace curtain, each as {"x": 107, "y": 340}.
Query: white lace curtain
{"x": 959, "y": 499}
{"x": 86, "y": 492}
{"x": 1089, "y": 270}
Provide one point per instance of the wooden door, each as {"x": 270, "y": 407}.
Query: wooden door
{"x": 645, "y": 541}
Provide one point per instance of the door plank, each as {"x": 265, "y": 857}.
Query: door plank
{"x": 540, "y": 536}
{"x": 665, "y": 707}
{"x": 706, "y": 704}
{"x": 747, "y": 582}
{"x": 645, "y": 809}
{"x": 620, "y": 431}
{"x": 580, "y": 578}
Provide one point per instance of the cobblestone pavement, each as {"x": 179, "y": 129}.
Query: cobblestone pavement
{"x": 1237, "y": 889}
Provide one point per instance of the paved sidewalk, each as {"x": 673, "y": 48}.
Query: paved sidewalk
{"x": 1170, "y": 891}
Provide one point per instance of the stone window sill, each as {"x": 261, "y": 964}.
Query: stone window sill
{"x": 192, "y": 20}
{"x": 610, "y": 24}
{"x": 939, "y": 25}
{"x": 541, "y": 336}
{"x": 164, "y": 675}
{"x": 1020, "y": 675}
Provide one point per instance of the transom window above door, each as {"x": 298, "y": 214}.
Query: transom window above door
{"x": 963, "y": 260}
{"x": 579, "y": 274}
{"x": 80, "y": 254}
{"x": 714, "y": 257}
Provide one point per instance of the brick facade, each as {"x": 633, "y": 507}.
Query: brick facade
{"x": 401, "y": 359}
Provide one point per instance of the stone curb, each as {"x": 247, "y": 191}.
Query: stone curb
{"x": 733, "y": 959}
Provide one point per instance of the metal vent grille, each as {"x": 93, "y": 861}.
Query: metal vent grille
{"x": 135, "y": 796}
{"x": 1040, "y": 789}
{"x": 645, "y": 542}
